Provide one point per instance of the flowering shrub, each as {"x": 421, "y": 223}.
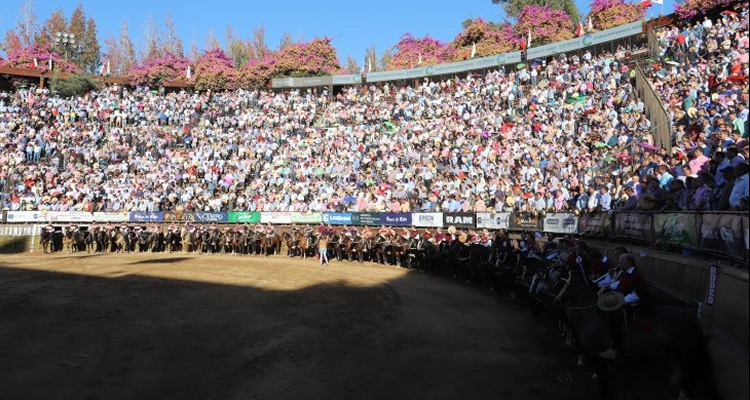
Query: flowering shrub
{"x": 547, "y": 25}
{"x": 689, "y": 9}
{"x": 257, "y": 73}
{"x": 490, "y": 39}
{"x": 24, "y": 58}
{"x": 155, "y": 71}
{"x": 215, "y": 70}
{"x": 410, "y": 51}
{"x": 314, "y": 58}
{"x": 607, "y": 14}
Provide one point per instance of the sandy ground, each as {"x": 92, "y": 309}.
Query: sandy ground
{"x": 173, "y": 326}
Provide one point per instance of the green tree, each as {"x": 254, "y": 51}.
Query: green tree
{"x": 237, "y": 48}
{"x": 90, "y": 56}
{"x": 127, "y": 50}
{"x": 57, "y": 22}
{"x": 513, "y": 7}
{"x": 75, "y": 85}
{"x": 351, "y": 65}
{"x": 76, "y": 27}
{"x": 371, "y": 59}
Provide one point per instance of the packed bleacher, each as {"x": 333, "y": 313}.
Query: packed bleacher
{"x": 565, "y": 134}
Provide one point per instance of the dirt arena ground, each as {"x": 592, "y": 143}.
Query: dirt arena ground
{"x": 173, "y": 326}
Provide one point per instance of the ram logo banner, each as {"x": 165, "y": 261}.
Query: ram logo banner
{"x": 400, "y": 219}
{"x": 460, "y": 220}
{"x": 211, "y": 217}
{"x": 337, "y": 218}
{"x": 146, "y": 216}
{"x": 430, "y": 220}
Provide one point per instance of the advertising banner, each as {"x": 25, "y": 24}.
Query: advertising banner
{"x": 146, "y": 216}
{"x": 369, "y": 219}
{"x": 676, "y": 228}
{"x": 396, "y": 219}
{"x": 306, "y": 218}
{"x": 566, "y": 223}
{"x": 100, "y": 216}
{"x": 592, "y": 224}
{"x": 243, "y": 217}
{"x": 634, "y": 226}
{"x": 460, "y": 220}
{"x": 494, "y": 221}
{"x": 69, "y": 216}
{"x": 722, "y": 233}
{"x": 25, "y": 216}
{"x": 525, "y": 222}
{"x": 276, "y": 217}
{"x": 432, "y": 220}
{"x": 335, "y": 218}
{"x": 179, "y": 216}
{"x": 208, "y": 217}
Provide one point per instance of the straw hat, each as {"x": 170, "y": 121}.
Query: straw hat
{"x": 692, "y": 111}
{"x": 451, "y": 229}
{"x": 610, "y": 301}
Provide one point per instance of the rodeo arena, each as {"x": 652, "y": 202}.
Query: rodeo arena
{"x": 595, "y": 188}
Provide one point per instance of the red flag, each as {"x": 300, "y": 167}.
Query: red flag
{"x": 646, "y": 3}
{"x": 579, "y": 29}
{"x": 103, "y": 69}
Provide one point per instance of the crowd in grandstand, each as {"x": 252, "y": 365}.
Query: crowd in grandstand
{"x": 556, "y": 135}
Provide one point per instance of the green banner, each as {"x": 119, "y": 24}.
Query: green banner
{"x": 306, "y": 218}
{"x": 244, "y": 217}
{"x": 676, "y": 228}
{"x": 371, "y": 219}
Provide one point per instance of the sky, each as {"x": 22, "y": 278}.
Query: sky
{"x": 352, "y": 25}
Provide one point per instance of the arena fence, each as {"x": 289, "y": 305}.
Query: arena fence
{"x": 724, "y": 233}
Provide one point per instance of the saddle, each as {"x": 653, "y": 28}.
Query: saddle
{"x": 637, "y": 318}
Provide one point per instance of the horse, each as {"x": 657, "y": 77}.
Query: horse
{"x": 674, "y": 330}
{"x": 157, "y": 242}
{"x": 308, "y": 245}
{"x": 69, "y": 239}
{"x": 271, "y": 244}
{"x": 399, "y": 247}
{"x": 46, "y": 241}
{"x": 292, "y": 243}
{"x": 173, "y": 240}
{"x": 357, "y": 249}
{"x": 102, "y": 240}
{"x": 189, "y": 240}
{"x": 89, "y": 241}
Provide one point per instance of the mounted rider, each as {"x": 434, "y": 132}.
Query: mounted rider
{"x": 308, "y": 230}
{"x": 366, "y": 232}
{"x": 486, "y": 238}
{"x": 172, "y": 227}
{"x": 49, "y": 228}
{"x": 154, "y": 228}
{"x": 270, "y": 230}
{"x": 259, "y": 228}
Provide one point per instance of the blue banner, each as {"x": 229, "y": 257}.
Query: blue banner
{"x": 399, "y": 219}
{"x": 211, "y": 217}
{"x": 146, "y": 216}
{"x": 335, "y": 218}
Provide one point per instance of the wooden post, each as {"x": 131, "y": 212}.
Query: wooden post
{"x": 41, "y": 81}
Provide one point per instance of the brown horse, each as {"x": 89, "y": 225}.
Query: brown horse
{"x": 46, "y": 240}
{"x": 271, "y": 244}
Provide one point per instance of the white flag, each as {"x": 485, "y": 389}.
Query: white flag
{"x": 657, "y": 1}
{"x": 108, "y": 70}
{"x": 36, "y": 63}
{"x": 473, "y": 50}
{"x": 369, "y": 65}
{"x": 590, "y": 27}
{"x": 420, "y": 59}
{"x": 50, "y": 62}
{"x": 188, "y": 75}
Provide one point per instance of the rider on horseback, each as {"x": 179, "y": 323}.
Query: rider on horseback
{"x": 154, "y": 228}
{"x": 270, "y": 230}
{"x": 258, "y": 228}
{"x": 628, "y": 281}
{"x": 49, "y": 228}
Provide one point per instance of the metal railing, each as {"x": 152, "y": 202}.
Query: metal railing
{"x": 659, "y": 118}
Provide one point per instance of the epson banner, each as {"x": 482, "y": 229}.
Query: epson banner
{"x": 459, "y": 220}
{"x": 399, "y": 219}
{"x": 211, "y": 217}
{"x": 493, "y": 221}
{"x": 337, "y": 218}
{"x": 432, "y": 220}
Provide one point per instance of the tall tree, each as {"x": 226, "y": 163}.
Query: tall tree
{"x": 152, "y": 47}
{"x": 351, "y": 65}
{"x": 76, "y": 27}
{"x": 27, "y": 25}
{"x": 371, "y": 58}
{"x": 513, "y": 7}
{"x": 90, "y": 49}
{"x": 211, "y": 42}
{"x": 237, "y": 49}
{"x": 172, "y": 42}
{"x": 12, "y": 42}
{"x": 287, "y": 40}
{"x": 385, "y": 58}
{"x": 258, "y": 46}
{"x": 57, "y": 22}
{"x": 127, "y": 50}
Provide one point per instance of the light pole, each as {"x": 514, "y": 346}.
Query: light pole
{"x": 66, "y": 41}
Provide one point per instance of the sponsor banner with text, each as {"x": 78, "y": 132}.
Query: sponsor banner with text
{"x": 431, "y": 220}
{"x": 396, "y": 219}
{"x": 306, "y": 218}
{"x": 676, "y": 228}
{"x": 459, "y": 220}
{"x": 243, "y": 217}
{"x": 634, "y": 226}
{"x": 335, "y": 218}
{"x": 566, "y": 223}
{"x": 25, "y": 216}
{"x": 179, "y": 216}
{"x": 363, "y": 218}
{"x": 495, "y": 221}
{"x": 722, "y": 233}
{"x": 69, "y": 216}
{"x": 208, "y": 217}
{"x": 146, "y": 216}
{"x": 277, "y": 217}
{"x": 100, "y": 216}
{"x": 522, "y": 221}
{"x": 592, "y": 224}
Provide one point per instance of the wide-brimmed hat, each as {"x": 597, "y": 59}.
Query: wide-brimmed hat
{"x": 451, "y": 229}
{"x": 610, "y": 301}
